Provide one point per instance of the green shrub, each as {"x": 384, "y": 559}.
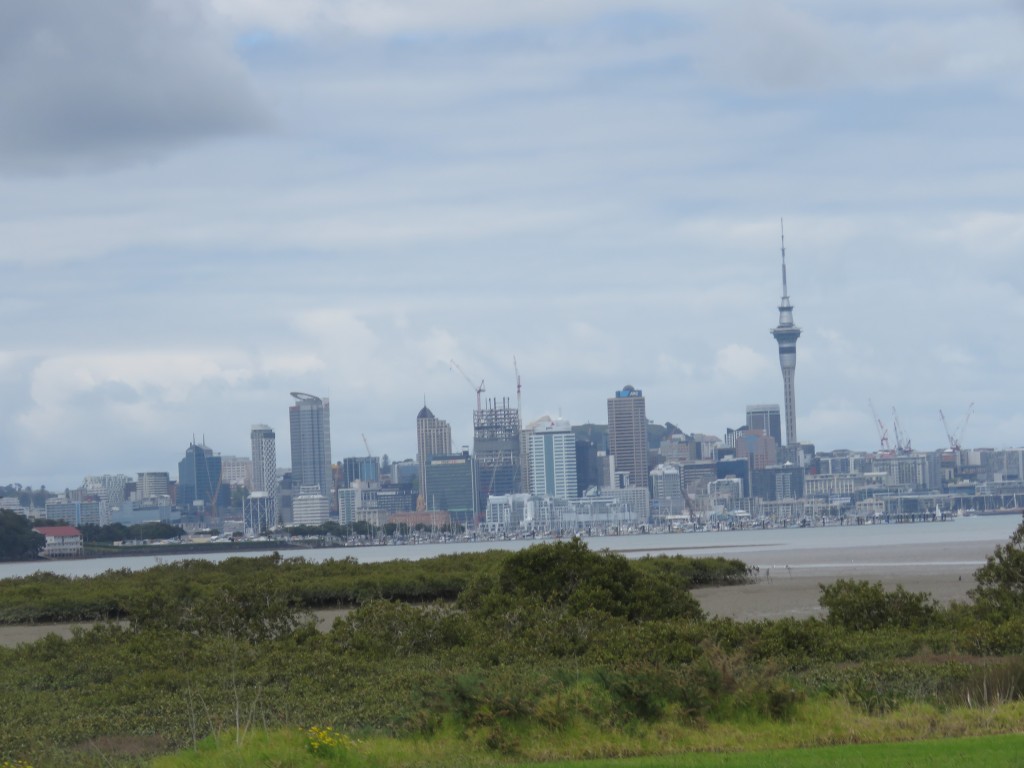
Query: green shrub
{"x": 862, "y": 605}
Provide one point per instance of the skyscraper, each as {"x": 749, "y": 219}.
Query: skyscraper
{"x": 310, "y": 420}
{"x": 786, "y": 334}
{"x": 627, "y": 433}
{"x": 552, "y": 454}
{"x": 765, "y": 418}
{"x": 496, "y": 449}
{"x": 264, "y": 469}
{"x": 199, "y": 479}
{"x": 433, "y": 438}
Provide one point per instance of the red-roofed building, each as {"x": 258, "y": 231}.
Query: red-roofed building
{"x": 61, "y": 541}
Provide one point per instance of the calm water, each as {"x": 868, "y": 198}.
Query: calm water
{"x": 995, "y": 529}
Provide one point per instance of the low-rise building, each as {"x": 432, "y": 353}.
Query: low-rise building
{"x": 61, "y": 541}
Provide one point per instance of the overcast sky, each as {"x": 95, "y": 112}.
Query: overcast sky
{"x": 207, "y": 204}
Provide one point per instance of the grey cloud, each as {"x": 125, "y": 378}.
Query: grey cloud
{"x": 87, "y": 86}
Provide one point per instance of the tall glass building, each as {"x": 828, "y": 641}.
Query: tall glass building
{"x": 264, "y": 470}
{"x": 627, "y": 434}
{"x": 310, "y": 420}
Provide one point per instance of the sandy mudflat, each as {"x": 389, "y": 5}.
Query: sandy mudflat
{"x": 788, "y": 582}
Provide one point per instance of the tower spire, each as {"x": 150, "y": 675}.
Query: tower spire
{"x": 786, "y": 333}
{"x": 785, "y": 288}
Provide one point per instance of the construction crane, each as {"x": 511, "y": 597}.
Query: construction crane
{"x": 956, "y": 436}
{"x": 519, "y": 387}
{"x": 478, "y": 389}
{"x": 369, "y": 453}
{"x": 902, "y": 441}
{"x": 883, "y": 431}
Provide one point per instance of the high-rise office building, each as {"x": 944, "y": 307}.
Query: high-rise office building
{"x": 310, "y": 420}
{"x": 199, "y": 480}
{"x": 452, "y": 483}
{"x": 496, "y": 450}
{"x": 264, "y": 473}
{"x": 765, "y": 418}
{"x": 433, "y": 438}
{"x": 786, "y": 334}
{"x": 552, "y": 457}
{"x": 627, "y": 434}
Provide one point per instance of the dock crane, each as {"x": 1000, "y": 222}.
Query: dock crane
{"x": 478, "y": 389}
{"x": 956, "y": 436}
{"x": 883, "y": 431}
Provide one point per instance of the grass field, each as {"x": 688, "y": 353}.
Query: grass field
{"x": 901, "y": 743}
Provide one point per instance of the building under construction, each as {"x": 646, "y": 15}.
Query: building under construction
{"x": 496, "y": 449}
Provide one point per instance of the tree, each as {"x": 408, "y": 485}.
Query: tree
{"x": 17, "y": 539}
{"x": 1000, "y": 581}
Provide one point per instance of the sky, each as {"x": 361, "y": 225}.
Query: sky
{"x": 208, "y": 204}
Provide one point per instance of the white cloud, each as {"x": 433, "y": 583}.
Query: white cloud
{"x": 736, "y": 361}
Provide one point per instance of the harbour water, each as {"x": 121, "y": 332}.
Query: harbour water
{"x": 754, "y": 546}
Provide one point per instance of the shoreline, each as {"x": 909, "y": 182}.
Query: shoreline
{"x": 788, "y": 583}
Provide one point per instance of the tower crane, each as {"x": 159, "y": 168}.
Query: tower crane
{"x": 478, "y": 389}
{"x": 519, "y": 387}
{"x": 956, "y": 436}
{"x": 883, "y": 431}
{"x": 902, "y": 441}
{"x": 369, "y": 453}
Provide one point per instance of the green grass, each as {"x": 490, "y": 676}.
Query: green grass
{"x": 989, "y": 751}
{"x": 822, "y": 733}
{"x": 279, "y": 750}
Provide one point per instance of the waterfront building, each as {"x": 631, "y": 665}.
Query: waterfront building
{"x": 83, "y": 510}
{"x": 310, "y": 422}
{"x": 786, "y": 334}
{"x": 264, "y": 471}
{"x": 61, "y": 541}
{"x": 627, "y": 433}
{"x": 258, "y": 513}
{"x": 779, "y": 483}
{"x": 667, "y": 490}
{"x": 552, "y": 458}
{"x": 310, "y": 506}
{"x": 451, "y": 479}
{"x": 433, "y": 438}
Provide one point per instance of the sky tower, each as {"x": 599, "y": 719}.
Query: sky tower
{"x": 786, "y": 334}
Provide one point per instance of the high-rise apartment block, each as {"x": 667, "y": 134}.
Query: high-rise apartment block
{"x": 264, "y": 475}
{"x": 552, "y": 457}
{"x": 433, "y": 438}
{"x": 627, "y": 434}
{"x": 310, "y": 421}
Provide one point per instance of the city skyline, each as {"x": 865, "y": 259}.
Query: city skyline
{"x": 345, "y": 198}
